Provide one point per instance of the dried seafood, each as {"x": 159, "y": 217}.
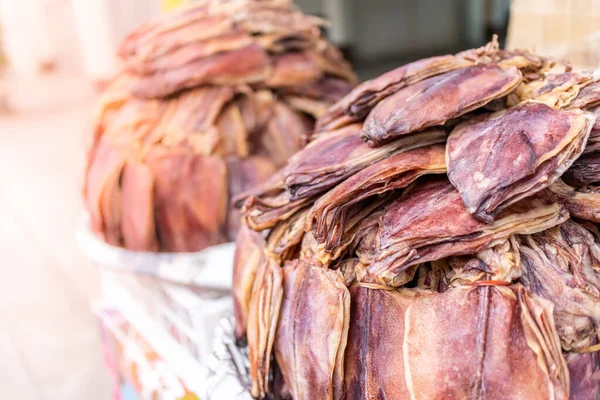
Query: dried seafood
{"x": 203, "y": 45}
{"x": 582, "y": 203}
{"x": 585, "y": 171}
{"x": 307, "y": 289}
{"x": 361, "y": 100}
{"x": 418, "y": 106}
{"x": 210, "y": 102}
{"x": 330, "y": 211}
{"x": 560, "y": 265}
{"x": 453, "y": 224}
{"x": 431, "y": 222}
{"x": 499, "y": 159}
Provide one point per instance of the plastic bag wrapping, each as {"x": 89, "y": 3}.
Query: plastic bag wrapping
{"x": 188, "y": 318}
{"x": 182, "y": 294}
{"x": 210, "y": 268}
{"x": 228, "y": 374}
{"x": 141, "y": 366}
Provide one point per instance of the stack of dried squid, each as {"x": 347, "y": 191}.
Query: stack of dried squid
{"x": 210, "y": 101}
{"x": 437, "y": 239}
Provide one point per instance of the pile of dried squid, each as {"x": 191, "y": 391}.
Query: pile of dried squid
{"x": 210, "y": 101}
{"x": 437, "y": 238}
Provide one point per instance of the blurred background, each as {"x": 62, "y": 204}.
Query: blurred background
{"x": 55, "y": 57}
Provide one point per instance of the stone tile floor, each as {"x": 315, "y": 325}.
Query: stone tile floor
{"x": 48, "y": 336}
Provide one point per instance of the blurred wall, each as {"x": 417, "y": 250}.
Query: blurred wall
{"x": 26, "y": 35}
{"x": 338, "y": 12}
{"x": 101, "y": 25}
{"x": 394, "y": 27}
{"x": 314, "y": 7}
{"x": 128, "y": 14}
{"x": 380, "y": 29}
